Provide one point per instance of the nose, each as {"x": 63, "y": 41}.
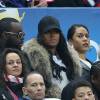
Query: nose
{"x": 39, "y": 87}
{"x": 85, "y": 38}
{"x": 86, "y": 97}
{"x": 15, "y": 64}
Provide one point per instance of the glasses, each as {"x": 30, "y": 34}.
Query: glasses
{"x": 19, "y": 35}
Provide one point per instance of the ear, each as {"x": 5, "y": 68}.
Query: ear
{"x": 73, "y": 99}
{"x": 24, "y": 89}
{"x": 3, "y": 35}
{"x": 69, "y": 42}
{"x": 92, "y": 78}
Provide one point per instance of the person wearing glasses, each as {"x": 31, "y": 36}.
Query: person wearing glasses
{"x": 12, "y": 70}
{"x": 12, "y": 35}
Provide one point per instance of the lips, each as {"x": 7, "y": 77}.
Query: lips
{"x": 16, "y": 70}
{"x": 86, "y": 44}
{"x": 39, "y": 94}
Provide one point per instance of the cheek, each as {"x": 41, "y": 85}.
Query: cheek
{"x": 8, "y": 69}
{"x": 31, "y": 91}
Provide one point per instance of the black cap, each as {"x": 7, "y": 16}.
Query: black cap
{"x": 47, "y": 23}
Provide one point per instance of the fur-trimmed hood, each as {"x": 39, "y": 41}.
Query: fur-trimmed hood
{"x": 39, "y": 58}
{"x": 76, "y": 60}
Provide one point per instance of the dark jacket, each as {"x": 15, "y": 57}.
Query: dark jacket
{"x": 15, "y": 88}
{"x": 15, "y": 3}
{"x": 5, "y": 94}
{"x": 68, "y": 3}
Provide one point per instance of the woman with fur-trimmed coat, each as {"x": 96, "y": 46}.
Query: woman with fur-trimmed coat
{"x": 50, "y": 56}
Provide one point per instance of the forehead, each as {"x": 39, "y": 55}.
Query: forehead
{"x": 35, "y": 78}
{"x": 16, "y": 26}
{"x": 12, "y": 55}
{"x": 81, "y": 30}
{"x": 83, "y": 89}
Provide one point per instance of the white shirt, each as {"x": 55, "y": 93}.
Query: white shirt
{"x": 61, "y": 83}
{"x": 86, "y": 62}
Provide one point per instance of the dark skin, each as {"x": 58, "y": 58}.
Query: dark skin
{"x": 51, "y": 40}
{"x": 12, "y": 39}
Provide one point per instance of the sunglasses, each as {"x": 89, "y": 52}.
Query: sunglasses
{"x": 19, "y": 35}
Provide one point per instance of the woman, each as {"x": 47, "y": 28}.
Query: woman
{"x": 12, "y": 67}
{"x": 78, "y": 90}
{"x": 50, "y": 54}
{"x": 78, "y": 38}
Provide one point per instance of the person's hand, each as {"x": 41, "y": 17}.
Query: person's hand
{"x": 42, "y": 3}
{"x": 39, "y": 3}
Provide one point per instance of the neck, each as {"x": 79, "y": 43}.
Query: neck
{"x": 52, "y": 50}
{"x": 82, "y": 56}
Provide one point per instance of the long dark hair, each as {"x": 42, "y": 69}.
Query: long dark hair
{"x": 3, "y": 63}
{"x": 62, "y": 51}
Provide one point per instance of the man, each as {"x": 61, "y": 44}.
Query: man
{"x": 34, "y": 87}
{"x": 95, "y": 78}
{"x": 12, "y": 36}
{"x": 11, "y": 33}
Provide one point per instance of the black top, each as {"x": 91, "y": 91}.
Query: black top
{"x": 68, "y": 3}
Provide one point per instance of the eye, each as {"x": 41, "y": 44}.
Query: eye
{"x": 87, "y": 35}
{"x": 42, "y": 84}
{"x": 18, "y": 62}
{"x": 34, "y": 85}
{"x": 81, "y": 95}
{"x": 80, "y": 35}
{"x": 10, "y": 63}
{"x": 90, "y": 93}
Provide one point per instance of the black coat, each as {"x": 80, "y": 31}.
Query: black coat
{"x": 10, "y": 3}
{"x": 5, "y": 94}
{"x": 68, "y": 3}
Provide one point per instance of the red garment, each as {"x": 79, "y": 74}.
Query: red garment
{"x": 85, "y": 1}
{"x": 97, "y": 4}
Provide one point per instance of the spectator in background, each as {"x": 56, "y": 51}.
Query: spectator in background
{"x": 13, "y": 3}
{"x": 78, "y": 90}
{"x": 97, "y": 3}
{"x": 12, "y": 36}
{"x": 23, "y": 3}
{"x": 12, "y": 70}
{"x": 78, "y": 39}
{"x": 51, "y": 53}
{"x": 69, "y": 3}
{"x": 47, "y": 3}
{"x": 37, "y": 3}
{"x": 34, "y": 87}
{"x": 95, "y": 78}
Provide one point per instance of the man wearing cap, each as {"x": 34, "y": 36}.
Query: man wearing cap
{"x": 50, "y": 56}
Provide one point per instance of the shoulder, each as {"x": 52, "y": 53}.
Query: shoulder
{"x": 51, "y": 99}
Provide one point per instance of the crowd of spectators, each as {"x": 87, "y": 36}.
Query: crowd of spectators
{"x": 47, "y": 67}
{"x": 49, "y": 3}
